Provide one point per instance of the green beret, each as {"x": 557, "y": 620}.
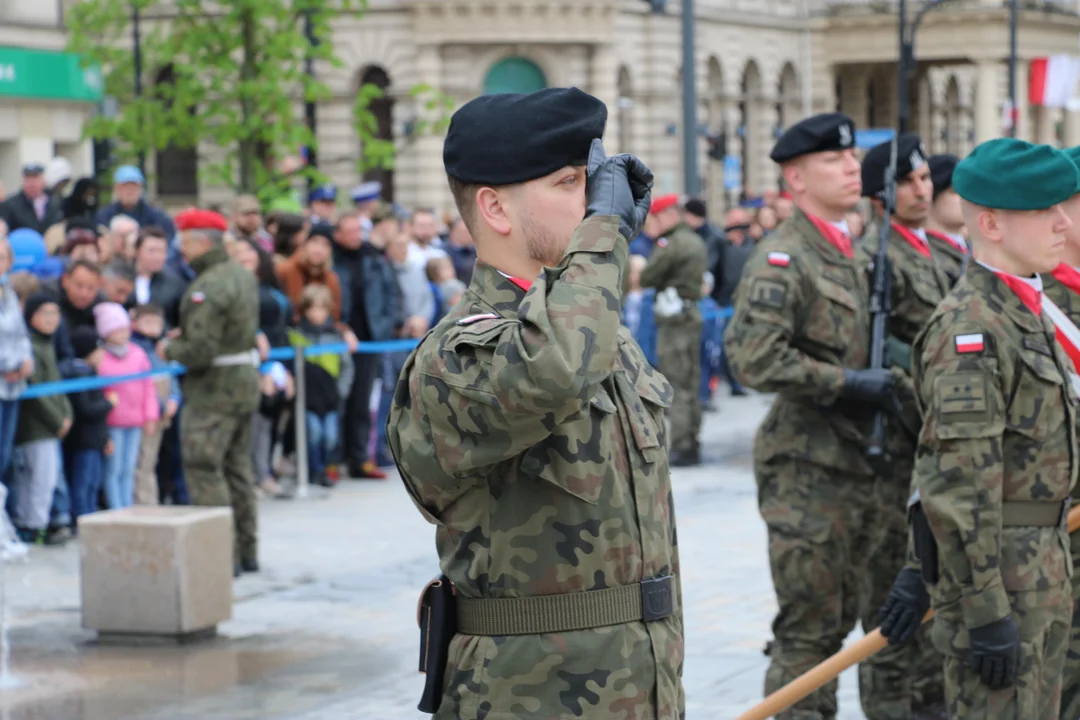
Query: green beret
{"x": 1010, "y": 174}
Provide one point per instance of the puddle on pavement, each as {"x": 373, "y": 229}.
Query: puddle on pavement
{"x": 218, "y": 678}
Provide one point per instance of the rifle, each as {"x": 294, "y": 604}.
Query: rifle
{"x": 880, "y": 306}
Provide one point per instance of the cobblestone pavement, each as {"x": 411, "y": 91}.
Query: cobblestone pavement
{"x": 328, "y": 630}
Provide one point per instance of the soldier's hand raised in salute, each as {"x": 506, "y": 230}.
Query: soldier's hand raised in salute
{"x": 619, "y": 186}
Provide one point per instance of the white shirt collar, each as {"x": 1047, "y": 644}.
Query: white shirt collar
{"x": 1035, "y": 282}
{"x": 920, "y": 232}
{"x": 958, "y": 239}
{"x": 842, "y": 226}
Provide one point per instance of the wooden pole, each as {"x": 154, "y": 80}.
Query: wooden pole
{"x": 820, "y": 675}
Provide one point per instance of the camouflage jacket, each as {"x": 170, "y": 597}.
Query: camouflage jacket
{"x": 219, "y": 315}
{"x": 529, "y": 429}
{"x": 679, "y": 261}
{"x": 801, "y": 317}
{"x": 998, "y": 426}
{"x": 951, "y": 259}
{"x": 1069, "y": 302}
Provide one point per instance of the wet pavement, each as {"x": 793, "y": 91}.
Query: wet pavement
{"x": 327, "y": 631}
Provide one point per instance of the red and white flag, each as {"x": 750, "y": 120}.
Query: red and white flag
{"x": 1068, "y": 336}
{"x": 1052, "y": 80}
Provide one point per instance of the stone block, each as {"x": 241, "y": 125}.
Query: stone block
{"x": 165, "y": 571}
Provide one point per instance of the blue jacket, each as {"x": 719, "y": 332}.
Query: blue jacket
{"x": 368, "y": 271}
{"x": 646, "y": 330}
{"x": 143, "y": 213}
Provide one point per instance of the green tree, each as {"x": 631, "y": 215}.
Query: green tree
{"x": 239, "y": 80}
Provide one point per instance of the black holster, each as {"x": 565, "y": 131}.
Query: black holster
{"x": 926, "y": 548}
{"x": 437, "y": 616}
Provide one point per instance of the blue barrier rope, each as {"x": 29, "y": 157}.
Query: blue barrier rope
{"x": 75, "y": 385}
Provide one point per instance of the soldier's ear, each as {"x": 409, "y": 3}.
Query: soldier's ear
{"x": 491, "y": 208}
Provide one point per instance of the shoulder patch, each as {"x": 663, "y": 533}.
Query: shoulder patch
{"x": 662, "y": 242}
{"x": 477, "y": 318}
{"x": 1038, "y": 345}
{"x": 779, "y": 259}
{"x": 768, "y": 293}
{"x": 961, "y": 394}
{"x": 198, "y": 298}
{"x": 972, "y": 343}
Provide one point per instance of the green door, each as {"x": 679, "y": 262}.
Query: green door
{"x": 514, "y": 75}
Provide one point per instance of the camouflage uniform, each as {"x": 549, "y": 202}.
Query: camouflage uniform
{"x": 801, "y": 317}
{"x": 1069, "y": 302}
{"x": 900, "y": 680}
{"x": 219, "y": 316}
{"x": 529, "y": 428}
{"x": 679, "y": 261}
{"x": 951, "y": 259}
{"x": 998, "y": 436}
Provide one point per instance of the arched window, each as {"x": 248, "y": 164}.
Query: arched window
{"x": 176, "y": 167}
{"x": 514, "y": 75}
{"x": 383, "y": 110}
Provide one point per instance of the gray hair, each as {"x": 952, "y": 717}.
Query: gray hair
{"x": 119, "y": 270}
{"x": 120, "y": 219}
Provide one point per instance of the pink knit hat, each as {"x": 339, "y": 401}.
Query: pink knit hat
{"x": 110, "y": 317}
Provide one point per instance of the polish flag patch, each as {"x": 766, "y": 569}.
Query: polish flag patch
{"x": 970, "y": 343}
{"x": 779, "y": 259}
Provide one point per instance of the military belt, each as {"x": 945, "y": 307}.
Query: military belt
{"x": 1026, "y": 513}
{"x": 645, "y": 601}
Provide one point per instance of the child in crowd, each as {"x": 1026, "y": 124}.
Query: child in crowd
{"x": 327, "y": 378}
{"x": 277, "y": 390}
{"x": 43, "y": 423}
{"x": 88, "y": 443}
{"x": 148, "y": 325}
{"x": 137, "y": 410}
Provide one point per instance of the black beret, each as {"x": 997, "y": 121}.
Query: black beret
{"x": 941, "y": 169}
{"x": 910, "y": 156}
{"x": 510, "y": 138}
{"x": 820, "y": 133}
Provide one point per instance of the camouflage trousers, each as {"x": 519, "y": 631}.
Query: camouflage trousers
{"x": 898, "y": 680}
{"x": 678, "y": 354}
{"x": 824, "y": 526}
{"x": 1044, "y": 618}
{"x": 216, "y": 452}
{"x": 1070, "y": 692}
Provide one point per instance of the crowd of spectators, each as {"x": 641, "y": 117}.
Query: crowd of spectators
{"x": 88, "y": 289}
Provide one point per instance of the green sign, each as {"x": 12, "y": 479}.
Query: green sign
{"x": 47, "y": 75}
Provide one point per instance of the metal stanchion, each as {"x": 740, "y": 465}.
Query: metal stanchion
{"x": 300, "y": 423}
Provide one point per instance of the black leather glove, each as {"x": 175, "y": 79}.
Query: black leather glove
{"x": 995, "y": 653}
{"x": 875, "y": 386}
{"x": 618, "y": 186}
{"x": 903, "y": 611}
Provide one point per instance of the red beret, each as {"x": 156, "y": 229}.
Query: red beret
{"x": 663, "y": 202}
{"x": 201, "y": 220}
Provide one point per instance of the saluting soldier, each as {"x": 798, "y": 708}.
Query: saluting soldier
{"x": 997, "y": 450}
{"x": 945, "y": 227}
{"x": 219, "y": 320}
{"x": 801, "y": 329}
{"x": 676, "y": 270}
{"x": 901, "y": 682}
{"x": 529, "y": 429}
{"x": 1061, "y": 296}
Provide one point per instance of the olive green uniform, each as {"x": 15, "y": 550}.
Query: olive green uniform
{"x": 219, "y": 319}
{"x": 679, "y": 262}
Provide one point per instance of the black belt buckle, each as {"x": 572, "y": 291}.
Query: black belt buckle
{"x": 1065, "y": 505}
{"x": 657, "y": 598}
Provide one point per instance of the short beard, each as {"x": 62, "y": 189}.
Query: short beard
{"x": 541, "y": 243}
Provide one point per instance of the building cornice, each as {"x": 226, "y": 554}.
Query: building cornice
{"x": 513, "y": 21}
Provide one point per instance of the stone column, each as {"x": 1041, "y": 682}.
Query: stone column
{"x": 714, "y": 169}
{"x": 604, "y": 84}
{"x": 1045, "y": 126}
{"x": 430, "y": 178}
{"x": 988, "y": 103}
{"x": 766, "y": 170}
{"x": 1071, "y": 128}
{"x": 1023, "y": 129}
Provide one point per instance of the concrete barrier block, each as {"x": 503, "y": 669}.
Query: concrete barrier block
{"x": 164, "y": 571}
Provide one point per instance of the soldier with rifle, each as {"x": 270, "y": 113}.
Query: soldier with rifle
{"x": 997, "y": 450}
{"x": 801, "y": 329}
{"x": 902, "y": 682}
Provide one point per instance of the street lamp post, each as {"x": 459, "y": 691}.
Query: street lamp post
{"x": 906, "y": 64}
{"x": 136, "y": 41}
